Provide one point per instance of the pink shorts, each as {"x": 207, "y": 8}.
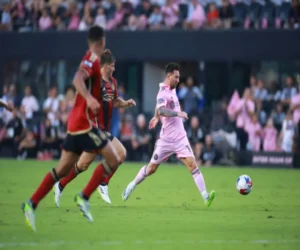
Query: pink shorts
{"x": 164, "y": 149}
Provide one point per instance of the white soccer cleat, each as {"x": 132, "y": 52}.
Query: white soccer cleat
{"x": 103, "y": 191}
{"x": 128, "y": 190}
{"x": 57, "y": 194}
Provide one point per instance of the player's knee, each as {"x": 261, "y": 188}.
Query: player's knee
{"x": 114, "y": 162}
{"x": 191, "y": 165}
{"x": 151, "y": 169}
{"x": 82, "y": 166}
{"x": 122, "y": 156}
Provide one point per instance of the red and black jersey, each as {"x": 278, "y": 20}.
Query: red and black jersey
{"x": 109, "y": 93}
{"x": 81, "y": 118}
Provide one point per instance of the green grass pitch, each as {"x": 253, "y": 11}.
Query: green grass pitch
{"x": 166, "y": 212}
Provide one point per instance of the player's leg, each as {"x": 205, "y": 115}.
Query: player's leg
{"x": 121, "y": 152}
{"x": 103, "y": 170}
{"x": 161, "y": 151}
{"x": 144, "y": 172}
{"x": 185, "y": 154}
{"x": 67, "y": 160}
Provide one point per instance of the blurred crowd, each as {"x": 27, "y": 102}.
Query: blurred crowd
{"x": 264, "y": 118}
{"x": 32, "y": 15}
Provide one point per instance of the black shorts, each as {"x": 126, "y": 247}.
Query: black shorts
{"x": 91, "y": 141}
{"x": 109, "y": 135}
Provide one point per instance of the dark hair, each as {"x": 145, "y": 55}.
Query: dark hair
{"x": 96, "y": 33}
{"x": 170, "y": 67}
{"x": 106, "y": 57}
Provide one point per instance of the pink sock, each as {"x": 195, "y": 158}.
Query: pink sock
{"x": 142, "y": 174}
{"x": 199, "y": 181}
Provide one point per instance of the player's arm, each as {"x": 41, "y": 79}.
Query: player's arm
{"x": 120, "y": 103}
{"x": 85, "y": 71}
{"x": 79, "y": 83}
{"x": 164, "y": 111}
{"x": 6, "y": 105}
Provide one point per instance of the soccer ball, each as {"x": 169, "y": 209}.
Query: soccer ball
{"x": 244, "y": 184}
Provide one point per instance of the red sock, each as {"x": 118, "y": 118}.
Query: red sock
{"x": 43, "y": 189}
{"x": 71, "y": 175}
{"x": 107, "y": 178}
{"x": 96, "y": 179}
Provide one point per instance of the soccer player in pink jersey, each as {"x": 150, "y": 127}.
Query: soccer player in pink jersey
{"x": 173, "y": 138}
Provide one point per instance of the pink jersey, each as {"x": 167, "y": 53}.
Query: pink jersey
{"x": 172, "y": 127}
{"x": 270, "y": 135}
{"x": 296, "y": 115}
{"x": 243, "y": 118}
{"x": 253, "y": 137}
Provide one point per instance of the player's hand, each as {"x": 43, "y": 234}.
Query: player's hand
{"x": 131, "y": 103}
{"x": 93, "y": 104}
{"x": 183, "y": 115}
{"x": 153, "y": 122}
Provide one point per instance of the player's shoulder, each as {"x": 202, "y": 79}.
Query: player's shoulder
{"x": 91, "y": 57}
{"x": 162, "y": 87}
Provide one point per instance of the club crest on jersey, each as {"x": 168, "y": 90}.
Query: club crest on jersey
{"x": 162, "y": 88}
{"x": 172, "y": 104}
{"x": 112, "y": 87}
{"x": 87, "y": 63}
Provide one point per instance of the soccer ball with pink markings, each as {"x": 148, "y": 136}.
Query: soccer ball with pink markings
{"x": 244, "y": 184}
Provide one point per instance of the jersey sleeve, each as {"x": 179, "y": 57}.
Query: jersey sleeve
{"x": 90, "y": 65}
{"x": 161, "y": 99}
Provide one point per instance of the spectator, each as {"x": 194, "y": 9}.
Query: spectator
{"x": 116, "y": 21}
{"x": 73, "y": 18}
{"x": 69, "y": 98}
{"x": 287, "y": 133}
{"x": 288, "y": 92}
{"x": 27, "y": 147}
{"x": 141, "y": 139}
{"x": 12, "y": 96}
{"x": 278, "y": 116}
{"x": 261, "y": 113}
{"x": 270, "y": 136}
{"x": 243, "y": 113}
{"x": 62, "y": 128}
{"x": 190, "y": 95}
{"x": 253, "y": 84}
{"x": 36, "y": 13}
{"x": 51, "y": 105}
{"x": 87, "y": 19}
{"x": 143, "y": 12}
{"x": 253, "y": 129}
{"x": 6, "y": 20}
{"x": 170, "y": 13}
{"x": 260, "y": 93}
{"x": 196, "y": 135}
{"x": 274, "y": 95}
{"x": 29, "y": 103}
{"x": 45, "y": 22}
{"x": 196, "y": 16}
{"x": 13, "y": 132}
{"x": 55, "y": 14}
{"x": 226, "y": 14}
{"x": 50, "y": 140}
{"x": 156, "y": 18}
{"x": 126, "y": 134}
{"x": 213, "y": 20}
{"x": 294, "y": 14}
{"x": 295, "y": 107}
{"x": 208, "y": 154}
{"x": 100, "y": 19}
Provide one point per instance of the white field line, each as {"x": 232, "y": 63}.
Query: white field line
{"x": 140, "y": 242}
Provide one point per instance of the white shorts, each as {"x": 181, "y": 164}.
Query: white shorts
{"x": 164, "y": 149}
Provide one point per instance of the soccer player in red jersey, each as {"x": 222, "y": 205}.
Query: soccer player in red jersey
{"x": 84, "y": 140}
{"x": 109, "y": 100}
